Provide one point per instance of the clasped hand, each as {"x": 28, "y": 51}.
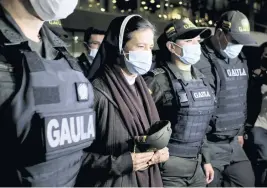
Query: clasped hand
{"x": 143, "y": 160}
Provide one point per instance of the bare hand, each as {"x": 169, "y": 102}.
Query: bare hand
{"x": 241, "y": 140}
{"x": 140, "y": 160}
{"x": 209, "y": 172}
{"x": 160, "y": 156}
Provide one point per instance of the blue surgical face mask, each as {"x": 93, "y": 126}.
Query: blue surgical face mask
{"x": 138, "y": 62}
{"x": 49, "y": 10}
{"x": 233, "y": 50}
{"x": 191, "y": 53}
{"x": 93, "y": 53}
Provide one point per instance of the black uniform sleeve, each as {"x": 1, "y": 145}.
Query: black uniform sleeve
{"x": 205, "y": 150}
{"x": 241, "y": 131}
{"x": 208, "y": 70}
{"x": 7, "y": 85}
{"x": 8, "y": 135}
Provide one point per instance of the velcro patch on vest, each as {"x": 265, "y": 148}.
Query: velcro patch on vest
{"x": 69, "y": 131}
{"x": 82, "y": 91}
{"x": 183, "y": 97}
{"x": 46, "y": 95}
{"x": 201, "y": 95}
{"x": 236, "y": 72}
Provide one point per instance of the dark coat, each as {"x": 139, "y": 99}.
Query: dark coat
{"x": 109, "y": 164}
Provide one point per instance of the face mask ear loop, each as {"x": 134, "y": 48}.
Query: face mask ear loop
{"x": 88, "y": 48}
{"x": 176, "y": 45}
{"x": 124, "y": 54}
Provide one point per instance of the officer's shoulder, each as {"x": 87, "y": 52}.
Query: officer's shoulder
{"x": 156, "y": 78}
{"x": 155, "y": 75}
{"x": 4, "y": 64}
{"x": 156, "y": 72}
{"x": 203, "y": 63}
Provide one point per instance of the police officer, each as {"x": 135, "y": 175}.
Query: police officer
{"x": 45, "y": 101}
{"x": 184, "y": 97}
{"x": 227, "y": 71}
{"x": 92, "y": 40}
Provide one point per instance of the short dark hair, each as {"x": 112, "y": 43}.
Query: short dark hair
{"x": 92, "y": 31}
{"x": 134, "y": 24}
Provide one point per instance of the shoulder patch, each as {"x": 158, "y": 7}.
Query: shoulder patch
{"x": 157, "y": 71}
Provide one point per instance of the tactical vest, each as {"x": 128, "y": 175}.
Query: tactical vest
{"x": 195, "y": 103}
{"x": 53, "y": 115}
{"x": 232, "y": 97}
{"x": 231, "y": 93}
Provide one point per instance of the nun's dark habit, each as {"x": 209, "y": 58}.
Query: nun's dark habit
{"x": 122, "y": 112}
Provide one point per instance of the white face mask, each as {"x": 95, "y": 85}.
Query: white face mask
{"x": 191, "y": 53}
{"x": 233, "y": 50}
{"x": 93, "y": 53}
{"x": 139, "y": 62}
{"x": 49, "y": 10}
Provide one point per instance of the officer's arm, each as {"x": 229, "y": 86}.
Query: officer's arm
{"x": 205, "y": 67}
{"x": 8, "y": 140}
{"x": 241, "y": 131}
{"x": 205, "y": 150}
{"x": 7, "y": 86}
{"x": 94, "y": 159}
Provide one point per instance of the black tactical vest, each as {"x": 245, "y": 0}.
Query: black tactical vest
{"x": 53, "y": 114}
{"x": 230, "y": 114}
{"x": 195, "y": 103}
{"x": 231, "y": 91}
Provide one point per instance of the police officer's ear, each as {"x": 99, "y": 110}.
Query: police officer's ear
{"x": 170, "y": 47}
